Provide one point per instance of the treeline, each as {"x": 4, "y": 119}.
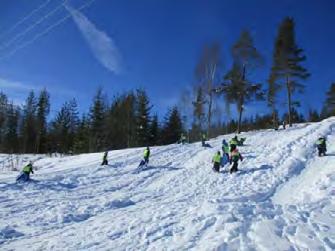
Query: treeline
{"x": 126, "y": 122}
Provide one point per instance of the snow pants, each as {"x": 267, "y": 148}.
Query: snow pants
{"x": 322, "y": 151}
{"x": 216, "y": 167}
{"x": 23, "y": 177}
{"x": 234, "y": 167}
{"x": 104, "y": 162}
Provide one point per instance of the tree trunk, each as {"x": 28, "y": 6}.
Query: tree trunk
{"x": 239, "y": 118}
{"x": 274, "y": 119}
{"x": 240, "y": 108}
{"x": 289, "y": 100}
{"x": 209, "y": 114}
{"x": 210, "y": 93}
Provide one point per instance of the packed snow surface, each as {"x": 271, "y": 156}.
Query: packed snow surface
{"x": 281, "y": 199}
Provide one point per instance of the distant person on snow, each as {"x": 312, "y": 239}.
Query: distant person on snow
{"x": 104, "y": 159}
{"x": 321, "y": 145}
{"x": 233, "y": 143}
{"x": 182, "y": 139}
{"x": 225, "y": 152}
{"x": 146, "y": 155}
{"x": 25, "y": 174}
{"x": 217, "y": 161}
{"x": 203, "y": 139}
{"x": 235, "y": 156}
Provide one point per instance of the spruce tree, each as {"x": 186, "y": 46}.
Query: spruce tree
{"x": 313, "y": 116}
{"x": 329, "y": 104}
{"x": 172, "y": 127}
{"x": 97, "y": 122}
{"x": 43, "y": 109}
{"x": 287, "y": 58}
{"x": 11, "y": 131}
{"x": 29, "y": 125}
{"x": 60, "y": 130}
{"x": 81, "y": 140}
{"x": 154, "y": 131}
{"x": 3, "y": 117}
{"x": 143, "y": 109}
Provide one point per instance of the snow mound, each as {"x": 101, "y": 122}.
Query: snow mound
{"x": 281, "y": 199}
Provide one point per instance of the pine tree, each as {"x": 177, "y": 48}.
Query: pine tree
{"x": 329, "y": 104}
{"x": 43, "y": 109}
{"x": 142, "y": 118}
{"x": 287, "y": 59}
{"x": 239, "y": 90}
{"x": 173, "y": 127}
{"x": 97, "y": 122}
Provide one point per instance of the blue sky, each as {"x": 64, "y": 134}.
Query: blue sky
{"x": 122, "y": 45}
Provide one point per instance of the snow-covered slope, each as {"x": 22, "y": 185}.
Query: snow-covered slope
{"x": 282, "y": 198}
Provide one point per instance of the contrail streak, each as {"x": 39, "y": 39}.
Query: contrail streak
{"x": 21, "y": 34}
{"x": 24, "y": 18}
{"x": 37, "y": 36}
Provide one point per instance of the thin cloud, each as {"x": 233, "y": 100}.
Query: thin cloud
{"x": 101, "y": 44}
{"x": 21, "y": 88}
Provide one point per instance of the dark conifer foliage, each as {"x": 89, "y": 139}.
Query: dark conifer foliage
{"x": 28, "y": 130}
{"x": 173, "y": 127}
{"x": 329, "y": 104}
{"x": 97, "y": 116}
{"x": 238, "y": 89}
{"x": 142, "y": 115}
{"x": 43, "y": 109}
{"x": 287, "y": 70}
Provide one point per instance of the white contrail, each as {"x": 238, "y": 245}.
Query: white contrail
{"x": 24, "y": 19}
{"x": 21, "y": 34}
{"x": 101, "y": 44}
{"x": 37, "y": 36}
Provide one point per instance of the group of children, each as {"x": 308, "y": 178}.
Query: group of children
{"x": 230, "y": 154}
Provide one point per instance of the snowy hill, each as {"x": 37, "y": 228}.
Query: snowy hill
{"x": 281, "y": 199}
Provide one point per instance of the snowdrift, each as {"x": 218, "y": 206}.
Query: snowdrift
{"x": 281, "y": 199}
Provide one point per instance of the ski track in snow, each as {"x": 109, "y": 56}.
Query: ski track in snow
{"x": 281, "y": 199}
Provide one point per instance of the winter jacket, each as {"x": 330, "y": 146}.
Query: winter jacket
{"x": 225, "y": 148}
{"x": 146, "y": 153}
{"x": 233, "y": 141}
{"x": 321, "y": 142}
{"x": 217, "y": 158}
{"x": 235, "y": 156}
{"x": 28, "y": 169}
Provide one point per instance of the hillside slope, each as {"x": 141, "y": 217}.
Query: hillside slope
{"x": 282, "y": 198}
